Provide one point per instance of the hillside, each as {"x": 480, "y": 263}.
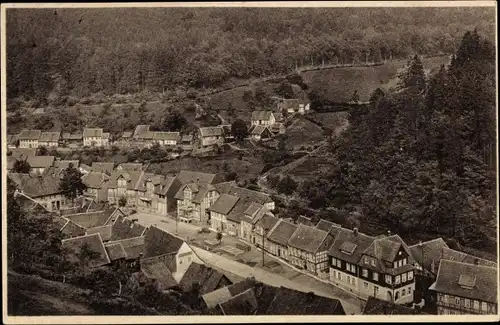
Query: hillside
{"x": 339, "y": 84}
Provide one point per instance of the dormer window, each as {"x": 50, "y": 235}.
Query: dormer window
{"x": 373, "y": 262}
{"x": 467, "y": 281}
{"x": 348, "y": 248}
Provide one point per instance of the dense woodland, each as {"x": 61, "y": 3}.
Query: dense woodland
{"x": 415, "y": 160}
{"x": 56, "y": 54}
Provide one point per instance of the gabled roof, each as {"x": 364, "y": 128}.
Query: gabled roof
{"x": 326, "y": 225}
{"x": 92, "y": 219}
{"x": 211, "y": 131}
{"x": 310, "y": 239}
{"x": 168, "y": 187}
{"x": 103, "y": 167}
{"x": 224, "y": 186}
{"x": 244, "y": 303}
{"x": 123, "y": 228}
{"x": 252, "y": 209}
{"x": 72, "y": 136}
{"x": 132, "y": 178}
{"x": 282, "y": 232}
{"x": 206, "y": 277}
{"x": 375, "y": 306}
{"x": 292, "y": 103}
{"x": 126, "y": 134}
{"x": 71, "y": 229}
{"x": 224, "y": 204}
{"x": 159, "y": 242}
{"x": 142, "y": 131}
{"x": 222, "y": 295}
{"x": 450, "y": 280}
{"x": 93, "y": 242}
{"x": 95, "y": 179}
{"x": 157, "y": 270}
{"x": 261, "y": 115}
{"x": 304, "y": 221}
{"x": 199, "y": 191}
{"x": 29, "y": 134}
{"x": 40, "y": 161}
{"x": 267, "y": 221}
{"x": 12, "y": 139}
{"x": 249, "y": 195}
{"x": 36, "y": 185}
{"x": 361, "y": 241}
{"x": 166, "y": 136}
{"x": 23, "y": 153}
{"x": 92, "y": 132}
{"x": 133, "y": 247}
{"x": 104, "y": 231}
{"x": 293, "y": 302}
{"x": 49, "y": 136}
{"x": 278, "y": 116}
{"x": 259, "y": 129}
{"x": 115, "y": 251}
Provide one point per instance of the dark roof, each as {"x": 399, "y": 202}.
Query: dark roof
{"x": 71, "y": 229}
{"x": 133, "y": 247}
{"x": 115, "y": 251}
{"x": 451, "y": 280}
{"x": 36, "y": 185}
{"x": 453, "y": 255}
{"x": 259, "y": 129}
{"x": 10, "y": 162}
{"x": 104, "y": 231}
{"x": 376, "y": 306}
{"x": 290, "y": 103}
{"x": 207, "y": 278}
{"x": 267, "y": 221}
{"x": 126, "y": 134}
{"x": 124, "y": 228}
{"x": 292, "y": 302}
{"x": 103, "y": 167}
{"x": 166, "y": 136}
{"x": 132, "y": 178}
{"x": 23, "y": 153}
{"x": 249, "y": 195}
{"x": 224, "y": 204}
{"x": 92, "y": 219}
{"x": 211, "y": 131}
{"x": 282, "y": 232}
{"x": 49, "y": 136}
{"x": 278, "y": 116}
{"x": 94, "y": 179}
{"x": 361, "y": 241}
{"x": 309, "y": 239}
{"x": 92, "y": 132}
{"x": 159, "y": 242}
{"x": 29, "y": 134}
{"x": 94, "y": 243}
{"x": 186, "y": 177}
{"x": 304, "y": 221}
{"x": 244, "y": 303}
{"x": 40, "y": 161}
{"x": 261, "y": 115}
{"x": 156, "y": 269}
{"x": 12, "y": 139}
{"x": 65, "y": 163}
{"x": 326, "y": 225}
{"x": 224, "y": 187}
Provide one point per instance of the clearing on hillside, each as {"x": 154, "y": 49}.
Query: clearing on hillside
{"x": 303, "y": 133}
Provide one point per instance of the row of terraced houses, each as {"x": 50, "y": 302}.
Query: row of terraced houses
{"x": 384, "y": 266}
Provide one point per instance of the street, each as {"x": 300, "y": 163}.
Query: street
{"x": 300, "y": 282}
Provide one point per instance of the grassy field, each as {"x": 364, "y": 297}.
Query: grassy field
{"x": 303, "y": 133}
{"x": 339, "y": 84}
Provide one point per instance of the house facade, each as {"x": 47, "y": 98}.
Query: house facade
{"x": 193, "y": 201}
{"x": 49, "y": 139}
{"x": 40, "y": 164}
{"x": 293, "y": 106}
{"x": 278, "y": 237}
{"x": 219, "y": 212}
{"x": 308, "y": 248}
{"x": 97, "y": 186}
{"x": 213, "y": 135}
{"x": 263, "y": 118}
{"x": 166, "y": 138}
{"x": 259, "y": 132}
{"x": 93, "y": 137}
{"x": 466, "y": 289}
{"x": 29, "y": 138}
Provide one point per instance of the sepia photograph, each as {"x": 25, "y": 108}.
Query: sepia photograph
{"x": 267, "y": 159}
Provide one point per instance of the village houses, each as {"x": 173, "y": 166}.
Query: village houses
{"x": 95, "y": 137}
{"x": 29, "y": 138}
{"x": 211, "y": 135}
{"x": 166, "y": 138}
{"x": 293, "y": 106}
{"x": 278, "y": 237}
{"x": 39, "y": 164}
{"x": 308, "y": 247}
{"x": 263, "y": 118}
{"x": 72, "y": 140}
{"x": 96, "y": 183}
{"x": 49, "y": 139}
{"x": 143, "y": 136}
{"x": 465, "y": 289}
{"x": 259, "y": 132}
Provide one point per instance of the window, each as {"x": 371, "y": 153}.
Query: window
{"x": 398, "y": 279}
{"x": 405, "y": 261}
{"x": 365, "y": 273}
{"x": 457, "y": 301}
{"x": 403, "y": 277}
{"x": 403, "y": 293}
{"x": 339, "y": 264}
{"x": 400, "y": 263}
{"x": 476, "y": 304}
{"x": 365, "y": 284}
{"x": 334, "y": 261}
{"x": 388, "y": 279}
{"x": 339, "y": 276}
{"x": 395, "y": 265}
{"x": 409, "y": 290}
{"x": 366, "y": 260}
{"x": 373, "y": 262}
{"x": 410, "y": 275}
{"x": 375, "y": 290}
{"x": 467, "y": 303}
{"x": 349, "y": 279}
{"x": 375, "y": 276}
{"x": 484, "y": 306}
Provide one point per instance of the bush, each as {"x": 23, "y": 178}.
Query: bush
{"x": 287, "y": 185}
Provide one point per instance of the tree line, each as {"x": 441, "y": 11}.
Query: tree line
{"x": 65, "y": 53}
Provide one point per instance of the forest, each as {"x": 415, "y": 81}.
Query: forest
{"x": 416, "y": 159}
{"x": 57, "y": 54}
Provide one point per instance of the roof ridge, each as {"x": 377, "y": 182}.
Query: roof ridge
{"x": 78, "y": 237}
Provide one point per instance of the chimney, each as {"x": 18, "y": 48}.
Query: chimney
{"x": 419, "y": 243}
{"x": 355, "y": 231}
{"x": 388, "y": 232}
